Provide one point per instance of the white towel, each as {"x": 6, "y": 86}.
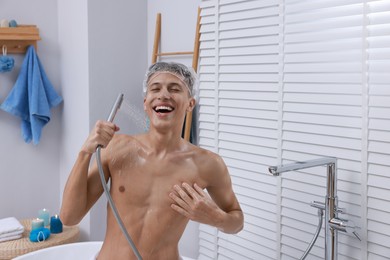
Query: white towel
{"x": 9, "y": 225}
{"x": 10, "y": 238}
{"x": 11, "y": 234}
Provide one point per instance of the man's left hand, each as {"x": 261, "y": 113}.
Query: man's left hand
{"x": 195, "y": 204}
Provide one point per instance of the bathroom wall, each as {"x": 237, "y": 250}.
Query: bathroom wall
{"x": 73, "y": 41}
{"x": 78, "y": 51}
{"x": 30, "y": 174}
{"x": 111, "y": 59}
{"x": 117, "y": 64}
{"x": 89, "y": 59}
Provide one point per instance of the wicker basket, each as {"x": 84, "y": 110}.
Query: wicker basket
{"x": 14, "y": 248}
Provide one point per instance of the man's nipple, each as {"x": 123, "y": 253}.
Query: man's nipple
{"x": 121, "y": 189}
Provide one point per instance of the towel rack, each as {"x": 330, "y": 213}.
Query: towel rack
{"x": 17, "y": 39}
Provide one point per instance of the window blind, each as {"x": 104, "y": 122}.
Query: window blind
{"x": 284, "y": 81}
{"x": 236, "y": 118}
{"x": 322, "y": 94}
{"x": 378, "y": 158}
{"x": 208, "y": 116}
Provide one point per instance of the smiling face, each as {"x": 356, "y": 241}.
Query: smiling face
{"x": 167, "y": 101}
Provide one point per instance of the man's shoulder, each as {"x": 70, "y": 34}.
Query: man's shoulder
{"x": 124, "y": 142}
{"x": 203, "y": 152}
{"x": 208, "y": 158}
{"x": 118, "y": 138}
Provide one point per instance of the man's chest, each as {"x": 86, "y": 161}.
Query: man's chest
{"x": 154, "y": 180}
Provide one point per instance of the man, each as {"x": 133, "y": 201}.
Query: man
{"x": 157, "y": 178}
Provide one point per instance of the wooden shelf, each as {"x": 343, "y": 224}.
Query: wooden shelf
{"x": 17, "y": 39}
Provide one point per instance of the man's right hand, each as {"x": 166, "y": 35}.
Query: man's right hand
{"x": 101, "y": 135}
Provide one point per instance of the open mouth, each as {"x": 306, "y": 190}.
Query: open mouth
{"x": 163, "y": 109}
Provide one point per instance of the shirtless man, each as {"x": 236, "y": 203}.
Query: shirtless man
{"x": 157, "y": 178}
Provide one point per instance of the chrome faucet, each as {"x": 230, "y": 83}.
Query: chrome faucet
{"x": 332, "y": 222}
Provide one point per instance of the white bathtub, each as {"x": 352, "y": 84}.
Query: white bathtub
{"x": 74, "y": 251}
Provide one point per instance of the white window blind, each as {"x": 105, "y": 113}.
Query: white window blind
{"x": 285, "y": 81}
{"x": 239, "y": 41}
{"x": 378, "y": 160}
{"x": 322, "y": 106}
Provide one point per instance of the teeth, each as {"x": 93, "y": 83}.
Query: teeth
{"x": 163, "y": 108}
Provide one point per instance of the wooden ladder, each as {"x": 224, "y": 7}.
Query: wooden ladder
{"x": 195, "y": 58}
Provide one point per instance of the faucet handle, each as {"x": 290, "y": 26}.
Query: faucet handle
{"x": 344, "y": 226}
{"x": 321, "y": 205}
{"x": 318, "y": 204}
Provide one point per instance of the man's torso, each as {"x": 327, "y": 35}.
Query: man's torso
{"x": 140, "y": 185}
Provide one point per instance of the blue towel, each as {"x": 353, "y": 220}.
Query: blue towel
{"x": 32, "y": 97}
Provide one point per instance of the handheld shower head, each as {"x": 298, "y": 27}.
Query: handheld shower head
{"x": 115, "y": 108}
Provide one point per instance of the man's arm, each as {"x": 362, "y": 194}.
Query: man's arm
{"x": 83, "y": 187}
{"x": 221, "y": 209}
{"x": 77, "y": 197}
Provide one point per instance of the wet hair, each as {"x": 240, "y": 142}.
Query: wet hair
{"x": 185, "y": 74}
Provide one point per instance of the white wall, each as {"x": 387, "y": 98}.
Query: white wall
{"x": 73, "y": 40}
{"x": 89, "y": 58}
{"x": 101, "y": 58}
{"x": 117, "y": 64}
{"x": 30, "y": 174}
{"x": 178, "y": 21}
